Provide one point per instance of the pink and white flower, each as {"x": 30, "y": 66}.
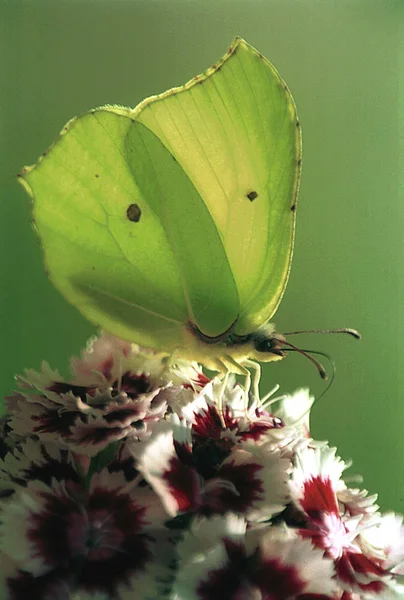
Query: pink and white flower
{"x": 344, "y": 533}
{"x": 206, "y": 463}
{"x": 63, "y": 535}
{"x": 118, "y": 391}
{"x": 220, "y": 558}
{"x": 104, "y": 477}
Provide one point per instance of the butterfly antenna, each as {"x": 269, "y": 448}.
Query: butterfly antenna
{"x": 268, "y": 402}
{"x": 316, "y": 363}
{"x": 331, "y": 381}
{"x": 347, "y": 330}
{"x": 333, "y": 371}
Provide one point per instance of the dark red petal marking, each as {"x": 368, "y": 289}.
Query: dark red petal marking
{"x": 125, "y": 416}
{"x": 247, "y": 489}
{"x": 315, "y": 534}
{"x": 208, "y": 423}
{"x": 97, "y": 435}
{"x": 64, "y": 387}
{"x": 127, "y": 466}
{"x": 184, "y": 453}
{"x": 133, "y": 554}
{"x": 241, "y": 575}
{"x": 200, "y": 381}
{"x": 278, "y": 581}
{"x": 61, "y": 470}
{"x": 133, "y": 385}
{"x": 319, "y": 497}
{"x": 53, "y": 421}
{"x": 100, "y": 545}
{"x": 362, "y": 564}
{"x": 183, "y": 485}
{"x": 48, "y": 530}
{"x": 208, "y": 456}
{"x": 229, "y": 582}
{"x": 258, "y": 428}
{"x": 352, "y": 566}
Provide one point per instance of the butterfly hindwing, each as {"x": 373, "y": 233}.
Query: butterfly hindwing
{"x": 127, "y": 238}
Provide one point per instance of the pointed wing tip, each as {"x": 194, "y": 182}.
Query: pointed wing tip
{"x": 238, "y": 43}
{"x": 238, "y": 40}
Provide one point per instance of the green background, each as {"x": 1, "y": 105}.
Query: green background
{"x": 341, "y": 60}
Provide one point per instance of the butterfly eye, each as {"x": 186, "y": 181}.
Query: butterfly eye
{"x": 269, "y": 344}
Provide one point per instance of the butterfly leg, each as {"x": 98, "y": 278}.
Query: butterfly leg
{"x": 235, "y": 367}
{"x": 169, "y": 361}
{"x": 256, "y": 367}
{"x": 223, "y": 373}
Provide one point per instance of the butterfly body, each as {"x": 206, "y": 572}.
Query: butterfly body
{"x": 228, "y": 351}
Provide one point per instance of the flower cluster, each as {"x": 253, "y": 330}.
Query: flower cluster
{"x": 138, "y": 479}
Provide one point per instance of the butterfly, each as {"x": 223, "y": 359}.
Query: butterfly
{"x": 172, "y": 224}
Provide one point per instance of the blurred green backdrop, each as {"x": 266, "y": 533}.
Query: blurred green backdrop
{"x": 341, "y": 60}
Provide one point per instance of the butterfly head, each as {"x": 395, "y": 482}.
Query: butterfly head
{"x": 266, "y": 345}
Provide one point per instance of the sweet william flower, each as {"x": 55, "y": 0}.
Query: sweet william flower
{"x": 141, "y": 479}
{"x": 210, "y": 462}
{"x": 219, "y": 558}
{"x": 62, "y": 535}
{"x": 108, "y": 357}
{"x": 345, "y": 532}
{"x": 220, "y": 413}
{"x": 118, "y": 391}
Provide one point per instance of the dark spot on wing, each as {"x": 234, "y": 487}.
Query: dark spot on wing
{"x": 293, "y": 207}
{"x": 97, "y": 175}
{"x": 299, "y": 162}
{"x": 252, "y": 195}
{"x": 297, "y": 123}
{"x": 133, "y": 213}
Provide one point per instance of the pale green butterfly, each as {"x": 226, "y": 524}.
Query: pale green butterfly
{"x": 172, "y": 225}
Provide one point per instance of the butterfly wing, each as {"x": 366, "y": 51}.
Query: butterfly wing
{"x": 123, "y": 229}
{"x": 235, "y": 132}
